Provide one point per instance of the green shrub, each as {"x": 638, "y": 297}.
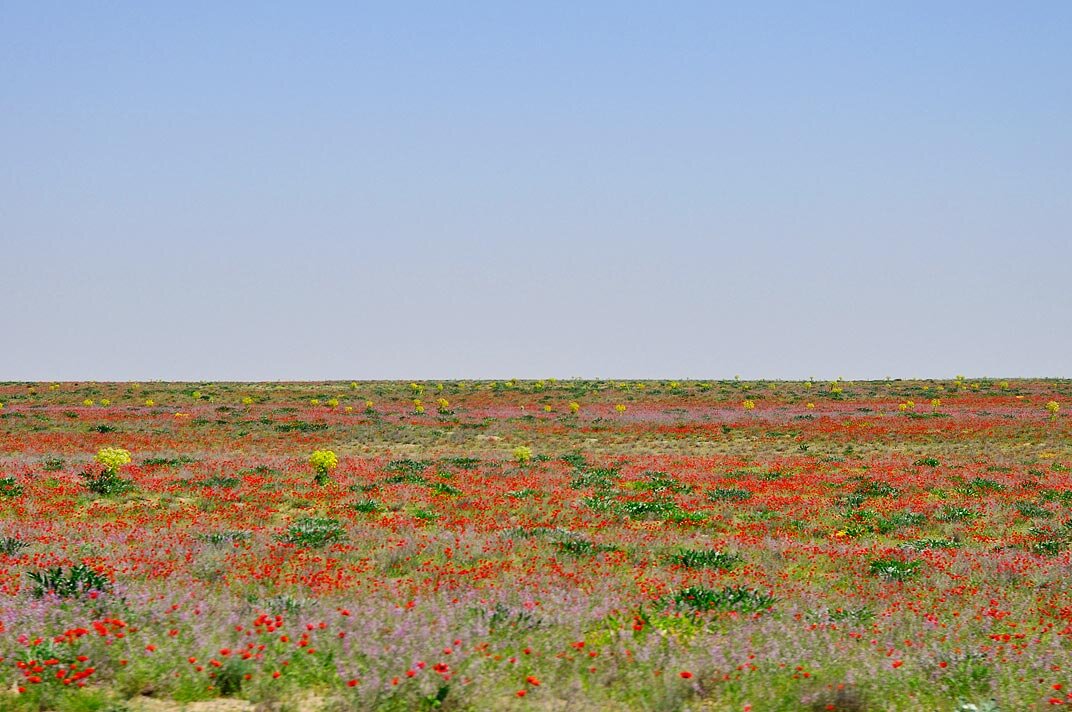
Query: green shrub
{"x": 894, "y": 569}
{"x": 76, "y": 581}
{"x": 729, "y": 494}
{"x": 10, "y": 545}
{"x": 949, "y": 513}
{"x": 730, "y": 598}
{"x": 899, "y": 520}
{"x": 1033, "y": 511}
{"x": 107, "y": 483}
{"x": 313, "y": 532}
{"x": 367, "y": 506}
{"x": 10, "y": 488}
{"x": 704, "y": 559}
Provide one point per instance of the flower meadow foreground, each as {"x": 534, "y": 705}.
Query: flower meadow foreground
{"x": 536, "y": 545}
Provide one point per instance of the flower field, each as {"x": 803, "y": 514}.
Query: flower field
{"x": 550, "y": 545}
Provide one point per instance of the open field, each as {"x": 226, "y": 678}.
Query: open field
{"x": 569, "y": 545}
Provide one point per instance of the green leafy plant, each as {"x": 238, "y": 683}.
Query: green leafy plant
{"x": 894, "y": 569}
{"x": 580, "y": 547}
{"x": 107, "y": 483}
{"x": 704, "y": 559}
{"x": 729, "y": 494}
{"x": 313, "y": 532}
{"x": 367, "y": 506}
{"x": 899, "y": 520}
{"x": 949, "y": 513}
{"x": 730, "y": 598}
{"x": 1032, "y": 510}
{"x": 10, "y": 545}
{"x": 10, "y": 488}
{"x": 408, "y": 467}
{"x": 74, "y": 582}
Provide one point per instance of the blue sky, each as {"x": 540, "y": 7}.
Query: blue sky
{"x": 434, "y": 190}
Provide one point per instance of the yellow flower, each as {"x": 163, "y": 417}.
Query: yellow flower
{"x": 54, "y": 386}
{"x": 903, "y": 407}
{"x": 443, "y": 403}
{"x": 522, "y": 454}
{"x": 349, "y": 409}
{"x": 333, "y": 402}
{"x": 419, "y": 410}
{"x": 417, "y": 388}
{"x": 1004, "y": 385}
{"x": 369, "y": 405}
{"x": 196, "y": 395}
{"x": 247, "y": 401}
{"x": 574, "y": 406}
{"x": 353, "y": 385}
{"x": 936, "y": 403}
{"x": 324, "y": 460}
{"x": 809, "y": 406}
{"x": 149, "y": 402}
{"x": 105, "y": 402}
{"x": 113, "y": 458}
{"x": 620, "y": 407}
{"x": 910, "y": 403}
{"x": 674, "y": 385}
{"x": 87, "y": 402}
{"x": 748, "y": 404}
{"x": 547, "y": 409}
{"x": 1053, "y": 407}
{"x": 314, "y": 401}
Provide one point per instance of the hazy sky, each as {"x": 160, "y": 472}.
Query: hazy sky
{"x": 433, "y": 190}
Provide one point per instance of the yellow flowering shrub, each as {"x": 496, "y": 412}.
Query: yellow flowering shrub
{"x": 113, "y": 458}
{"x": 323, "y": 461}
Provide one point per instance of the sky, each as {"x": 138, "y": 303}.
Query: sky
{"x": 307, "y": 191}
